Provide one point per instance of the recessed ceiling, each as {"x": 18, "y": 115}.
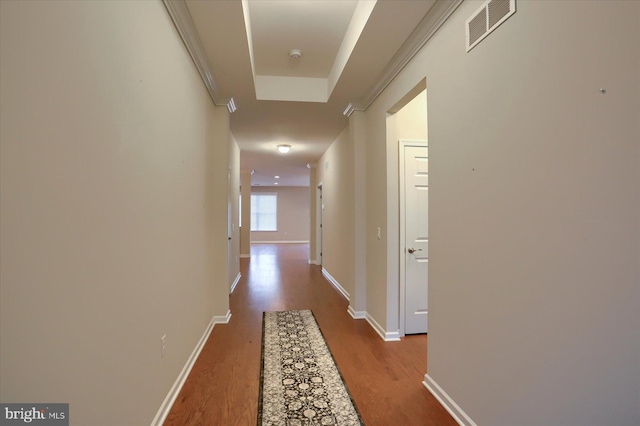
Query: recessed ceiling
{"x": 277, "y": 27}
{"x": 309, "y": 127}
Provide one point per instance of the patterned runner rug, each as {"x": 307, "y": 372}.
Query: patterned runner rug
{"x": 300, "y": 384}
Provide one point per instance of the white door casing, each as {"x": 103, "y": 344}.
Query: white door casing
{"x": 415, "y": 230}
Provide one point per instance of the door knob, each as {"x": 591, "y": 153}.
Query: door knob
{"x": 411, "y": 249}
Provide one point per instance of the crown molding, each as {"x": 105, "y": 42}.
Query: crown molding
{"x": 179, "y": 13}
{"x": 433, "y": 20}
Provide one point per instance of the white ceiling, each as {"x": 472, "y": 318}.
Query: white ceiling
{"x": 318, "y": 29}
{"x": 279, "y": 26}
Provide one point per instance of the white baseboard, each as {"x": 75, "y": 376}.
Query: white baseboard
{"x": 280, "y": 242}
{"x": 386, "y": 336}
{"x": 335, "y": 283}
{"x": 235, "y": 283}
{"x": 313, "y": 262}
{"x": 449, "y": 404}
{"x": 245, "y": 256}
{"x": 222, "y": 319}
{"x": 164, "y": 409}
{"x": 356, "y": 314}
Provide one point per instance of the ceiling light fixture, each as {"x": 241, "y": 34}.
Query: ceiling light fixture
{"x": 295, "y": 53}
{"x": 284, "y": 148}
{"x": 277, "y": 177}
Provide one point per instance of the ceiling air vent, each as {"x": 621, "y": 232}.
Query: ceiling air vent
{"x": 486, "y": 19}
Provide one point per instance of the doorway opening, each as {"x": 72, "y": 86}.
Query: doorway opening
{"x": 407, "y": 138}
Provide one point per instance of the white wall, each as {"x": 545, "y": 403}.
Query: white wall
{"x": 111, "y": 183}
{"x": 534, "y": 284}
{"x": 293, "y": 215}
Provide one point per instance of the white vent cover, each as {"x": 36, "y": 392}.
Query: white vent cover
{"x": 486, "y": 19}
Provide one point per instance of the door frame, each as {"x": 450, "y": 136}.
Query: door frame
{"x": 402, "y": 144}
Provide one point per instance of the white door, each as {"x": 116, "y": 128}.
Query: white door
{"x": 416, "y": 199}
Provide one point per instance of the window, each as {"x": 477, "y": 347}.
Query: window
{"x": 264, "y": 212}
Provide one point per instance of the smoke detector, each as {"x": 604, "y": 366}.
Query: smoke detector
{"x": 295, "y": 53}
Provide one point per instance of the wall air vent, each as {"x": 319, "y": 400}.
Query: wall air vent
{"x": 486, "y": 19}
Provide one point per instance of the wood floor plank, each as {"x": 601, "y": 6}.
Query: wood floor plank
{"x": 384, "y": 378}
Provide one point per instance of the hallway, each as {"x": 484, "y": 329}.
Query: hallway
{"x": 383, "y": 378}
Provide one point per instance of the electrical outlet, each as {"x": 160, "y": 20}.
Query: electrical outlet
{"x": 379, "y": 233}
{"x": 163, "y": 346}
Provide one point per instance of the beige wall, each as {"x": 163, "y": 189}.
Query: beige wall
{"x": 411, "y": 120}
{"x": 357, "y": 137}
{"x": 313, "y": 215}
{"x": 221, "y": 194}
{"x": 245, "y": 230}
{"x": 234, "y": 212}
{"x": 534, "y": 285}
{"x": 293, "y": 215}
{"x": 342, "y": 173}
{"x": 335, "y": 170}
{"x": 109, "y": 168}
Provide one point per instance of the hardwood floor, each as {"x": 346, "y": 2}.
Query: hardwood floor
{"x": 383, "y": 378}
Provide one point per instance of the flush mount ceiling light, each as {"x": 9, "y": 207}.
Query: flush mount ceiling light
{"x": 284, "y": 148}
{"x": 295, "y": 53}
